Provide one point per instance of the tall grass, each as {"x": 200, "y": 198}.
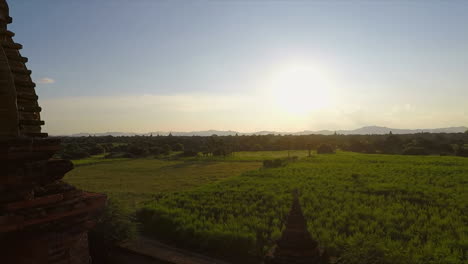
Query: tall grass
{"x": 362, "y": 208}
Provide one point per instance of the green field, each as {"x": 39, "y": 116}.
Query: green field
{"x": 362, "y": 208}
{"x": 254, "y": 156}
{"x": 132, "y": 181}
{"x": 95, "y": 160}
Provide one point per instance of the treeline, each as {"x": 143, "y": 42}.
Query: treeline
{"x": 139, "y": 146}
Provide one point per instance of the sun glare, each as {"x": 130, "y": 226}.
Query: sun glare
{"x": 301, "y": 90}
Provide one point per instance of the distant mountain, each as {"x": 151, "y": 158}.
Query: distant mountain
{"x": 377, "y": 130}
{"x": 204, "y": 133}
{"x": 367, "y": 130}
{"x": 114, "y": 134}
{"x": 319, "y": 132}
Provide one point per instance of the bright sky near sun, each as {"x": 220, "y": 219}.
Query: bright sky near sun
{"x": 147, "y": 65}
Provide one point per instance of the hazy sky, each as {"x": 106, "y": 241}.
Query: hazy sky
{"x": 148, "y": 65}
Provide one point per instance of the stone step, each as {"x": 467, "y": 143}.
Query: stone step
{"x": 24, "y": 83}
{"x": 7, "y": 19}
{"x": 31, "y": 122}
{"x": 26, "y": 96}
{"x": 18, "y": 58}
{"x": 9, "y": 45}
{"x": 7, "y": 33}
{"x": 21, "y": 71}
{"x": 40, "y": 135}
{"x": 29, "y": 108}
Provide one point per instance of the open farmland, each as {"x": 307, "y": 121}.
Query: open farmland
{"x": 362, "y": 208}
{"x": 132, "y": 181}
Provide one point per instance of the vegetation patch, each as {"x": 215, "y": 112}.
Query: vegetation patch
{"x": 133, "y": 181}
{"x": 364, "y": 209}
{"x": 279, "y": 162}
{"x": 114, "y": 226}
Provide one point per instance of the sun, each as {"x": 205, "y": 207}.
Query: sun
{"x": 300, "y": 90}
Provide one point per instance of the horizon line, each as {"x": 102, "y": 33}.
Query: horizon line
{"x": 260, "y": 131}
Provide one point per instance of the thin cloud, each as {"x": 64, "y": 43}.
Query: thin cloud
{"x": 46, "y": 81}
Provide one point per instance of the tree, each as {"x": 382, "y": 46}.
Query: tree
{"x": 155, "y": 150}
{"x": 137, "y": 150}
{"x": 257, "y": 147}
{"x": 392, "y": 144}
{"x": 462, "y": 151}
{"x": 358, "y": 146}
{"x": 97, "y": 149}
{"x": 74, "y": 151}
{"x": 178, "y": 147}
{"x": 412, "y": 150}
{"x": 325, "y": 149}
{"x": 167, "y": 149}
{"x": 189, "y": 153}
{"x": 309, "y": 149}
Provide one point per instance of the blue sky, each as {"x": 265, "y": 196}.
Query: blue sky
{"x": 147, "y": 65}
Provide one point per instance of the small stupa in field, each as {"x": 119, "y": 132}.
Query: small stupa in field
{"x": 43, "y": 220}
{"x": 296, "y": 245}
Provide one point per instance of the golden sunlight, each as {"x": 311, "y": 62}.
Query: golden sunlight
{"x": 300, "y": 90}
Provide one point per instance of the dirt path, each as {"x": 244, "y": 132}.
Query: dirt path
{"x": 162, "y": 253}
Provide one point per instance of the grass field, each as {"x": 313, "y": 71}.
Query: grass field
{"x": 132, "y": 181}
{"x": 254, "y": 156}
{"x": 363, "y": 208}
{"x": 95, "y": 159}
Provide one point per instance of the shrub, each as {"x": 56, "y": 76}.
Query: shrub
{"x": 365, "y": 250}
{"x": 108, "y": 147}
{"x": 276, "y": 163}
{"x": 74, "y": 151}
{"x": 114, "y": 226}
{"x": 257, "y": 147}
{"x": 161, "y": 224}
{"x": 325, "y": 149}
{"x": 361, "y": 147}
{"x": 96, "y": 150}
{"x": 222, "y": 151}
{"x": 189, "y": 153}
{"x": 156, "y": 151}
{"x": 119, "y": 155}
{"x": 178, "y": 147}
{"x": 462, "y": 151}
{"x": 166, "y": 150}
{"x": 415, "y": 151}
{"x": 137, "y": 150}
{"x": 76, "y": 155}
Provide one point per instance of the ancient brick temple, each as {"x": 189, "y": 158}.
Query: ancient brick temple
{"x": 296, "y": 245}
{"x": 42, "y": 219}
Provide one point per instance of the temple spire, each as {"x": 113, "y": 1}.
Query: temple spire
{"x": 43, "y": 220}
{"x": 19, "y": 109}
{"x": 8, "y": 107}
{"x": 4, "y": 13}
{"x": 296, "y": 245}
